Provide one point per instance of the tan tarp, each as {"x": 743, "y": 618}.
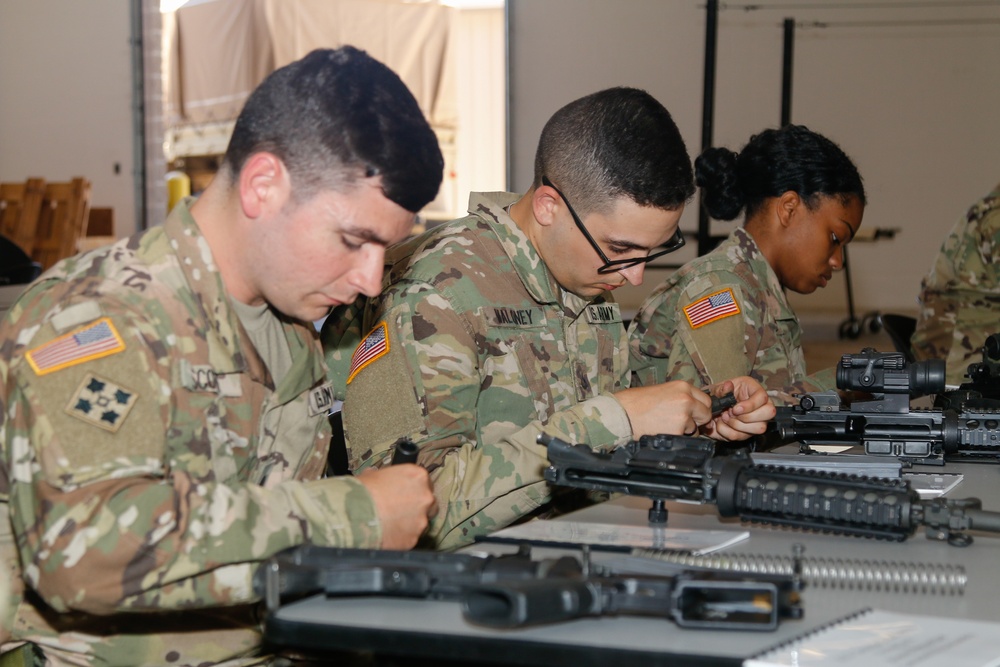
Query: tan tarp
{"x": 219, "y": 50}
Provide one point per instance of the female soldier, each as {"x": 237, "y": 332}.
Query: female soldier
{"x": 725, "y": 314}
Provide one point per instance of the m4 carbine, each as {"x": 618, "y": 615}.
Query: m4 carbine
{"x": 967, "y": 430}
{"x": 513, "y": 590}
{"x": 665, "y": 467}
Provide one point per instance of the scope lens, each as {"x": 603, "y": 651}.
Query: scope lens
{"x": 927, "y": 377}
{"x": 992, "y": 347}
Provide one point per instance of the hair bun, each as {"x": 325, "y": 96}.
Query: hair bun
{"x": 715, "y": 172}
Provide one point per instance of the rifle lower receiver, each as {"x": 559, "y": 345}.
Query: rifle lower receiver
{"x": 691, "y": 600}
{"x": 512, "y": 590}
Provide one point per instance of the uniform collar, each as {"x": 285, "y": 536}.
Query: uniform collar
{"x": 748, "y": 251}
{"x": 229, "y": 347}
{"x": 225, "y": 347}
{"x": 534, "y": 275}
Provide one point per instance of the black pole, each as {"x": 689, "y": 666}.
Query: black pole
{"x": 138, "y": 115}
{"x": 786, "y": 72}
{"x": 708, "y": 111}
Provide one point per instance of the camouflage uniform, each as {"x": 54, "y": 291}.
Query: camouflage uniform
{"x": 475, "y": 351}
{"x": 960, "y": 297}
{"x": 720, "y": 316}
{"x": 149, "y": 462}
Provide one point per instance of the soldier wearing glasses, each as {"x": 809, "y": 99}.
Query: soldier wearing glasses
{"x": 501, "y": 325}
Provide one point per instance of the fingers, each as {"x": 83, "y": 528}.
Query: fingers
{"x": 404, "y": 502}
{"x": 751, "y": 395}
{"x": 672, "y": 408}
{"x": 749, "y": 417}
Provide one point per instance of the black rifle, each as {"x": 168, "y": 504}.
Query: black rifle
{"x": 512, "y": 590}
{"x": 983, "y": 388}
{"x": 665, "y": 467}
{"x": 886, "y": 425}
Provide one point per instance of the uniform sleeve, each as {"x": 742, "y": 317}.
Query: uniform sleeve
{"x": 650, "y": 338}
{"x": 960, "y": 296}
{"x": 111, "y": 510}
{"x": 975, "y": 317}
{"x": 424, "y": 382}
{"x": 933, "y": 335}
{"x": 701, "y": 335}
{"x": 713, "y": 327}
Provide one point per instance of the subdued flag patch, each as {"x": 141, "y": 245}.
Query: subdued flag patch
{"x": 96, "y": 340}
{"x": 375, "y": 345}
{"x": 711, "y": 308}
{"x": 101, "y": 403}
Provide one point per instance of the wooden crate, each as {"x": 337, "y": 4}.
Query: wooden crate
{"x": 100, "y": 229}
{"x": 62, "y": 221}
{"x": 20, "y": 206}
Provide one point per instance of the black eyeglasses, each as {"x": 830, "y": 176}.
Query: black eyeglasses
{"x": 613, "y": 265}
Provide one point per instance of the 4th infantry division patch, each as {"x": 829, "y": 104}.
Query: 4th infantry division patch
{"x": 711, "y": 308}
{"x": 101, "y": 403}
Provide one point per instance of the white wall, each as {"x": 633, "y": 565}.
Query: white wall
{"x": 66, "y": 97}
{"x": 915, "y": 105}
{"x": 478, "y": 39}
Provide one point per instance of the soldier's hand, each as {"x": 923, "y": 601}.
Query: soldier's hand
{"x": 404, "y": 501}
{"x": 748, "y": 417}
{"x": 671, "y": 408}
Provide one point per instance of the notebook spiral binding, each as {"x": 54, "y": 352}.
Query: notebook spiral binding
{"x": 846, "y": 573}
{"x": 778, "y": 648}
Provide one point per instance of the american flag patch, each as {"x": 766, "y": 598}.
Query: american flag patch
{"x": 375, "y": 345}
{"x": 93, "y": 341}
{"x": 711, "y": 308}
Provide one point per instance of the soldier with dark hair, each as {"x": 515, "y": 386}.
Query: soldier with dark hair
{"x": 726, "y": 313}
{"x": 960, "y": 295}
{"x": 163, "y": 401}
{"x": 501, "y": 325}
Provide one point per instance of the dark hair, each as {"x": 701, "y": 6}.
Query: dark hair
{"x": 614, "y": 143}
{"x": 336, "y": 116}
{"x": 792, "y": 158}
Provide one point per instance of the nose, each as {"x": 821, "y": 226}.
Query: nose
{"x": 366, "y": 276}
{"x": 634, "y": 274}
{"x": 837, "y": 259}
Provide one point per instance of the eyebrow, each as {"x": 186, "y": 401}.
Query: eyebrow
{"x": 366, "y": 234}
{"x": 628, "y": 245}
{"x": 853, "y": 231}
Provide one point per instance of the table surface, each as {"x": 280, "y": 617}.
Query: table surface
{"x": 436, "y": 629}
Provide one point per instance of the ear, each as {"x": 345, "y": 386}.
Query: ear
{"x": 544, "y": 202}
{"x": 264, "y": 184}
{"x": 786, "y": 206}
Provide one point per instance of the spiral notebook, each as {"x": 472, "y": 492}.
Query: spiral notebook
{"x": 615, "y": 537}
{"x": 878, "y": 638}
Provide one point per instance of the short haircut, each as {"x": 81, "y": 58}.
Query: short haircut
{"x": 792, "y": 158}
{"x": 615, "y": 143}
{"x": 334, "y": 117}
